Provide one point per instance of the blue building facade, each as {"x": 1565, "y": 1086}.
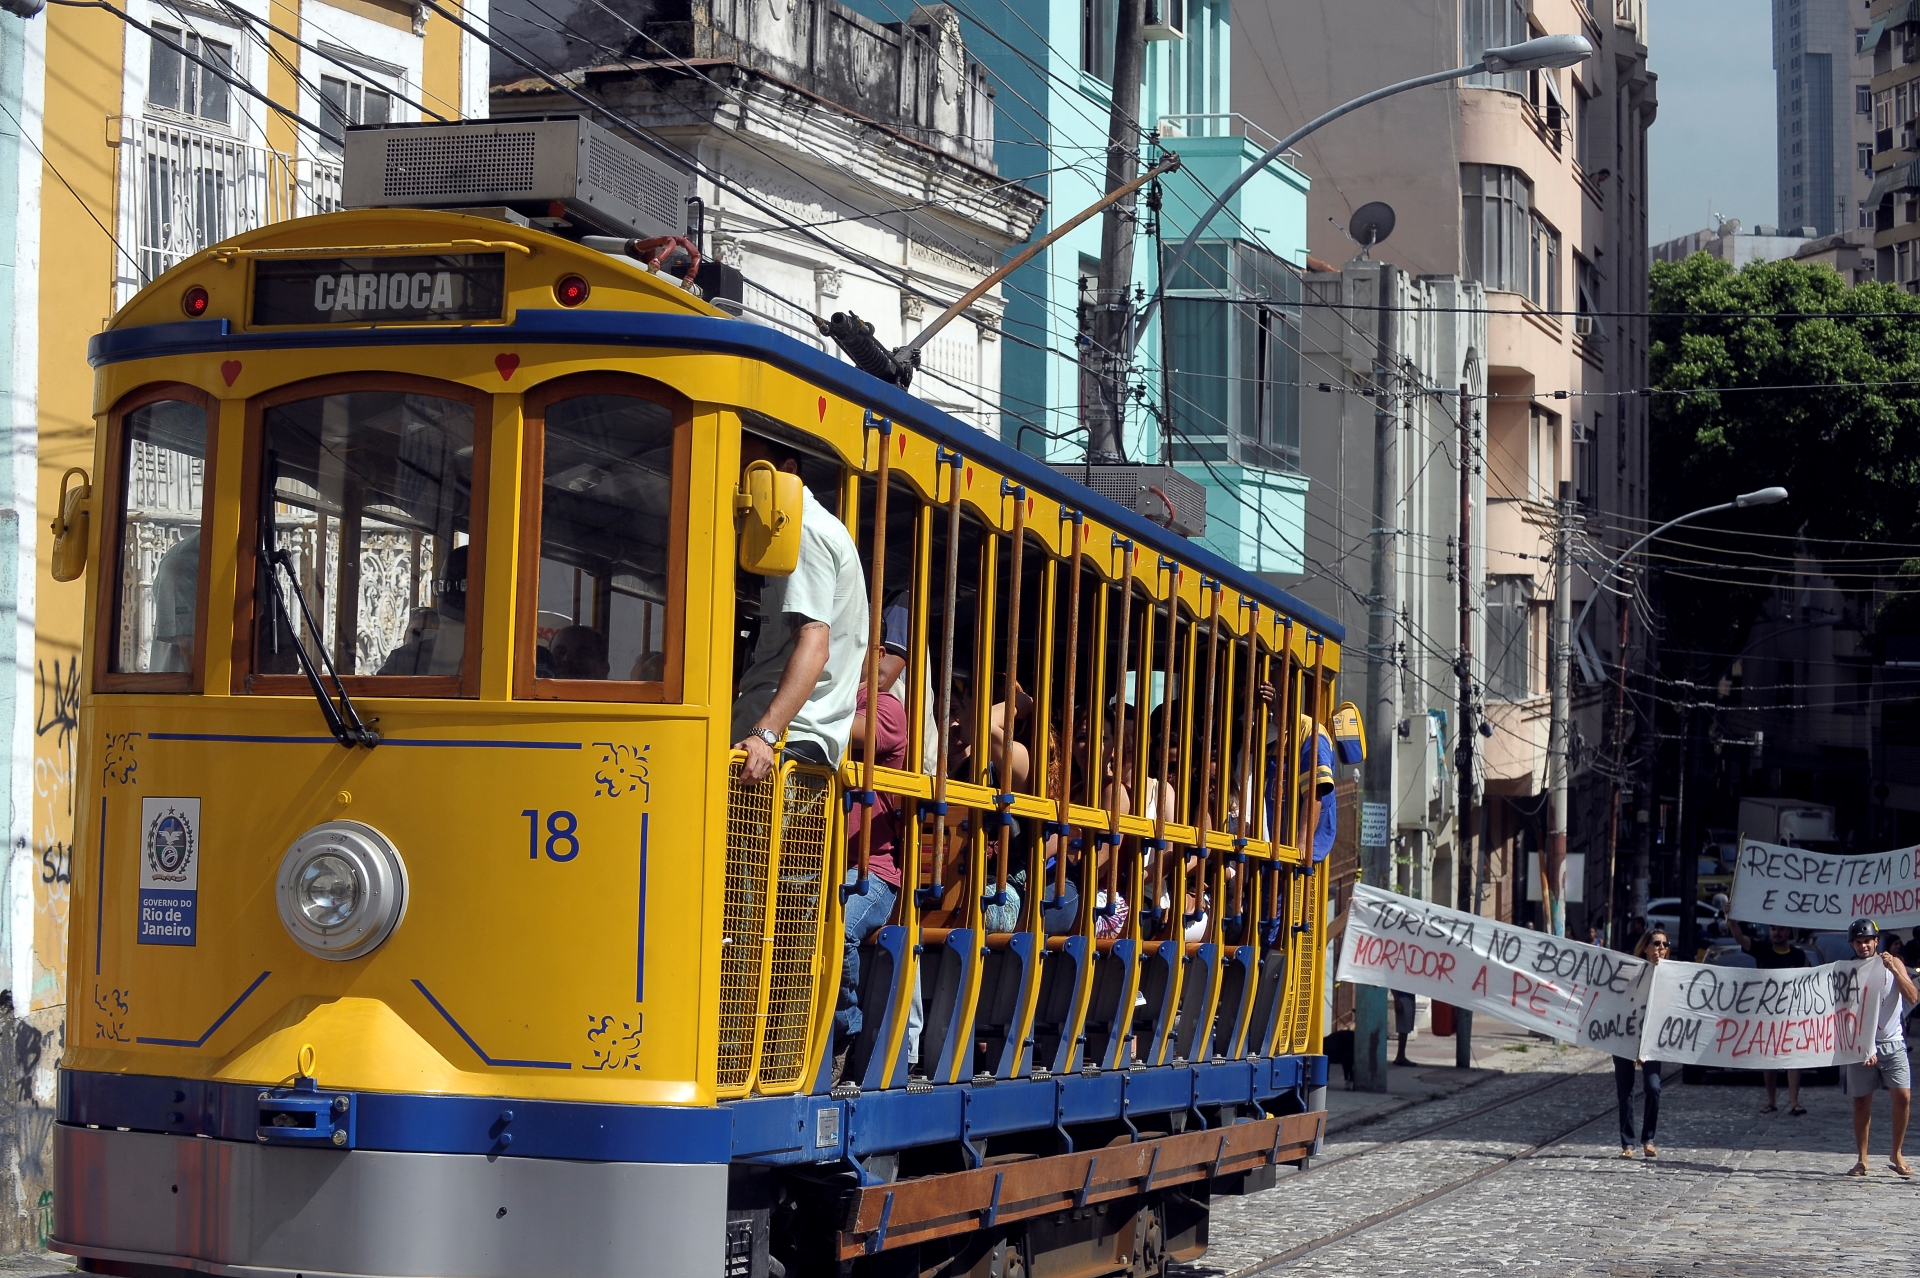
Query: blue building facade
{"x": 1219, "y": 368}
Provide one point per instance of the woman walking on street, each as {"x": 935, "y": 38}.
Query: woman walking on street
{"x": 1653, "y": 947}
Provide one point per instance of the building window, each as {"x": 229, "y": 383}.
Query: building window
{"x": 1862, "y": 100}
{"x": 1543, "y": 454}
{"x": 343, "y": 103}
{"x": 1234, "y": 367}
{"x": 1492, "y": 24}
{"x": 1866, "y": 217}
{"x": 1860, "y": 46}
{"x": 1863, "y": 153}
{"x": 1496, "y": 226}
{"x": 1588, "y": 280}
{"x": 1544, "y": 278}
{"x": 1097, "y": 20}
{"x": 1510, "y": 638}
{"x": 180, "y": 84}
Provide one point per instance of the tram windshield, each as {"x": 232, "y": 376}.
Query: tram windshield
{"x": 373, "y": 497}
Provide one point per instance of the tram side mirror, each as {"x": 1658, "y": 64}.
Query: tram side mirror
{"x": 1349, "y": 735}
{"x": 71, "y": 526}
{"x": 769, "y": 506}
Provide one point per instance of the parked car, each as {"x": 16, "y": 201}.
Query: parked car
{"x": 1832, "y": 947}
{"x": 1664, "y": 911}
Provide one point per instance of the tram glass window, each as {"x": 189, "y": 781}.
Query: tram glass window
{"x": 163, "y": 502}
{"x": 606, "y": 507}
{"x": 373, "y": 495}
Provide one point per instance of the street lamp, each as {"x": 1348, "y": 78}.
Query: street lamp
{"x": 1760, "y": 497}
{"x": 1529, "y": 55}
{"x": 1554, "y": 863}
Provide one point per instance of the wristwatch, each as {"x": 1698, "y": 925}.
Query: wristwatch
{"x": 767, "y": 735}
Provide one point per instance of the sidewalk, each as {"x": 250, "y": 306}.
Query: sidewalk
{"x": 1498, "y": 1049}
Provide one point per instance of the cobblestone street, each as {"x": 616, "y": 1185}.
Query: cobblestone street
{"x": 1733, "y": 1194}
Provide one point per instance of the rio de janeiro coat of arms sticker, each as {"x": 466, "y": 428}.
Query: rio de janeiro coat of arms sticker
{"x": 169, "y": 871}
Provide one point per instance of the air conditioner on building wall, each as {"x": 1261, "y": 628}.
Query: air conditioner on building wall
{"x": 1166, "y": 20}
{"x": 1583, "y": 326}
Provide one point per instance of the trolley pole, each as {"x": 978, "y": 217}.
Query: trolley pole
{"x": 1463, "y": 829}
{"x": 1370, "y": 1007}
{"x": 1553, "y": 865}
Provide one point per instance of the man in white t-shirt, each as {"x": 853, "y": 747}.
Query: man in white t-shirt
{"x": 1887, "y": 1065}
{"x": 806, "y": 664}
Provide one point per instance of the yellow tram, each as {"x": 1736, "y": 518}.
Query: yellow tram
{"x": 423, "y": 923}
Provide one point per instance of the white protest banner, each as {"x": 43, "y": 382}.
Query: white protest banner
{"x": 1798, "y": 888}
{"x": 1563, "y": 988}
{"x": 1748, "y": 1018}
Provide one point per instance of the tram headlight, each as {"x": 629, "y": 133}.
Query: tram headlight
{"x": 342, "y": 889}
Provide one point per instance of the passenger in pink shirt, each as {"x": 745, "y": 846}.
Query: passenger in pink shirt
{"x": 867, "y": 914}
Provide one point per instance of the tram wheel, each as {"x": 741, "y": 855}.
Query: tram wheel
{"x": 1149, "y": 1243}
{"x": 1015, "y": 1263}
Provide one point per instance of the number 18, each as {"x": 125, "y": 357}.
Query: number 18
{"x": 562, "y": 831}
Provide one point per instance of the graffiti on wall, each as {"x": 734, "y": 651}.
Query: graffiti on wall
{"x": 56, "y": 719}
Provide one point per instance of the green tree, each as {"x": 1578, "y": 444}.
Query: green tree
{"x": 1782, "y": 373}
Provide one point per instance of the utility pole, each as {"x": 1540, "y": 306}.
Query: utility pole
{"x": 1619, "y": 765}
{"x": 1639, "y": 874}
{"x": 1685, "y": 945}
{"x": 1371, "y": 1030}
{"x": 1553, "y": 865}
{"x": 1463, "y": 840}
{"x": 1113, "y": 308}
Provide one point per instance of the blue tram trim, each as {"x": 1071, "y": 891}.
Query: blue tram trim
{"x": 765, "y": 1130}
{"x": 719, "y": 336}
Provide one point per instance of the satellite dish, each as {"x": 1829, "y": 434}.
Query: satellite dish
{"x": 1371, "y": 224}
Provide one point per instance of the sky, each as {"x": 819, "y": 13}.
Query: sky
{"x": 1711, "y": 147}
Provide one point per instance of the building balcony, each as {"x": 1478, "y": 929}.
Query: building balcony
{"x": 1516, "y": 753}
{"x": 183, "y": 189}
{"x": 1271, "y": 209}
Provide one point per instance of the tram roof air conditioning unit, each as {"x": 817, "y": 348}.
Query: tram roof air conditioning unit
{"x": 1158, "y": 494}
{"x": 549, "y": 169}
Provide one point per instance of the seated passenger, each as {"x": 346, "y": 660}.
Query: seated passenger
{"x": 802, "y": 680}
{"x": 896, "y": 624}
{"x": 176, "y": 598}
{"x": 437, "y": 649}
{"x": 579, "y": 652}
{"x": 865, "y": 915}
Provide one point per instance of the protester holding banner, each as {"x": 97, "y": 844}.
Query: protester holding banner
{"x": 1887, "y": 1066}
{"x": 1654, "y": 947}
{"x": 1778, "y": 951}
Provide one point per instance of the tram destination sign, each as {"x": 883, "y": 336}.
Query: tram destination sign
{"x": 441, "y": 287}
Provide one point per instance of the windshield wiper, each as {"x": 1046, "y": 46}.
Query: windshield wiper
{"x": 342, "y": 720}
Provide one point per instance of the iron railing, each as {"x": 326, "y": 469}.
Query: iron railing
{"x": 184, "y": 188}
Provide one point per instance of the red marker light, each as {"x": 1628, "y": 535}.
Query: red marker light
{"x": 195, "y": 302}
{"x": 571, "y": 290}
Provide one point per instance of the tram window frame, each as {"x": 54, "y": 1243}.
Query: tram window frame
{"x": 526, "y": 684}
{"x": 112, "y": 507}
{"x": 466, "y": 684}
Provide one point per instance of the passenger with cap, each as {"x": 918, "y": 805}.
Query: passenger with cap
{"x": 1886, "y": 1063}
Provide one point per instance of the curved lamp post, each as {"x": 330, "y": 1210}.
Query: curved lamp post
{"x": 1529, "y": 55}
{"x": 1553, "y": 864}
{"x": 1760, "y": 497}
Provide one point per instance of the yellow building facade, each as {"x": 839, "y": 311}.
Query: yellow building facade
{"x": 148, "y": 132}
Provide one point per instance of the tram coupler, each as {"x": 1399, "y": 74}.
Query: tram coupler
{"x": 305, "y": 1115}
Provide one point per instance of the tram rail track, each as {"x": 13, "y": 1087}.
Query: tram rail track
{"x": 1281, "y": 1260}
